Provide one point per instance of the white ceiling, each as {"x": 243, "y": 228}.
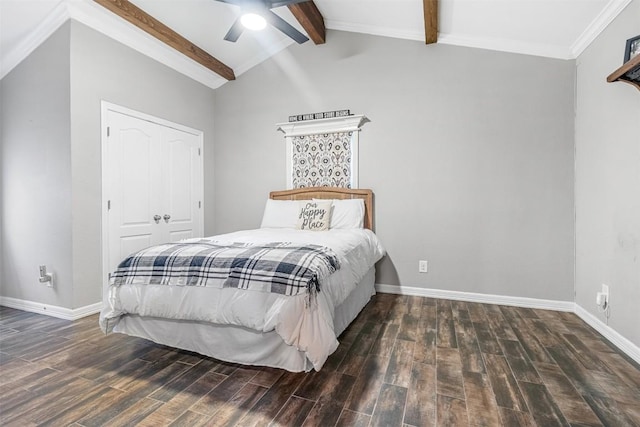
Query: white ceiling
{"x": 551, "y": 28}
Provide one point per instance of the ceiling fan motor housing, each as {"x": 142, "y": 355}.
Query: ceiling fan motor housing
{"x": 263, "y": 9}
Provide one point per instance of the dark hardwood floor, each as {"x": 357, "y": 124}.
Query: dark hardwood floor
{"x": 405, "y": 361}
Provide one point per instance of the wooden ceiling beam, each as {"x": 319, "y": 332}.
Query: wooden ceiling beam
{"x": 430, "y": 21}
{"x": 311, "y": 19}
{"x": 157, "y": 29}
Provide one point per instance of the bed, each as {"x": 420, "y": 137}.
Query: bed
{"x": 234, "y": 315}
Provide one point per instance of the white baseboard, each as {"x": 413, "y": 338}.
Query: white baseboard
{"x": 626, "y": 346}
{"x": 623, "y": 344}
{"x": 51, "y": 310}
{"x": 476, "y": 297}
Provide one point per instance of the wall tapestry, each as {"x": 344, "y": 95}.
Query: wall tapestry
{"x": 322, "y": 160}
{"x": 323, "y": 152}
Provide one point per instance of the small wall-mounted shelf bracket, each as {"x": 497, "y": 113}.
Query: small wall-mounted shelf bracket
{"x": 628, "y": 73}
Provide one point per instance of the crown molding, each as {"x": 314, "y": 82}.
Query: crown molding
{"x": 506, "y": 45}
{"x": 502, "y": 45}
{"x": 96, "y": 17}
{"x": 105, "y": 22}
{"x": 100, "y": 19}
{"x": 42, "y": 32}
{"x": 606, "y": 16}
{"x": 393, "y": 32}
{"x": 613, "y": 8}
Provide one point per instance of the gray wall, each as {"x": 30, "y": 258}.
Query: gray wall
{"x": 469, "y": 153}
{"x": 35, "y": 165}
{"x": 103, "y": 69}
{"x": 608, "y": 179}
{"x": 51, "y": 160}
{"x": 1, "y": 187}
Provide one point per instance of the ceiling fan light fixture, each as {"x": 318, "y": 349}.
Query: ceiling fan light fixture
{"x": 253, "y": 21}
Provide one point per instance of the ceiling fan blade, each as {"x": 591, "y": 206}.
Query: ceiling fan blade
{"x": 235, "y": 31}
{"x": 278, "y": 3}
{"x": 285, "y": 27}
{"x": 236, "y": 2}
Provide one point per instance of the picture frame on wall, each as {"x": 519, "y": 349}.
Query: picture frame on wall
{"x": 632, "y": 48}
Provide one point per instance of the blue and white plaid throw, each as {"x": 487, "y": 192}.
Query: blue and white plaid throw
{"x": 281, "y": 268}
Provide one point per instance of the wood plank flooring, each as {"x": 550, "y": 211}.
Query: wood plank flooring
{"x": 405, "y": 361}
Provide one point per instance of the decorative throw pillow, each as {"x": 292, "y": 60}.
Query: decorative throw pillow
{"x": 314, "y": 215}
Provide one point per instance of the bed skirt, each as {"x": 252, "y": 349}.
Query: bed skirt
{"x": 238, "y": 344}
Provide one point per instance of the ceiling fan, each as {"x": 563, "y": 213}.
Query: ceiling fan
{"x": 257, "y": 13}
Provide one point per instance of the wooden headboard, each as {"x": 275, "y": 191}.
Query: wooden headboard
{"x": 330, "y": 193}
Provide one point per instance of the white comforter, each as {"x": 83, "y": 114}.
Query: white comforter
{"x": 307, "y": 327}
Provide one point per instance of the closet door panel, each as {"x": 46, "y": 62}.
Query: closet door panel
{"x": 135, "y": 190}
{"x": 182, "y": 175}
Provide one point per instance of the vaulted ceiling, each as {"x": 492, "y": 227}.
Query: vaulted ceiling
{"x": 551, "y": 28}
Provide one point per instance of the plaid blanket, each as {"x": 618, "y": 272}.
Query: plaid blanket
{"x": 281, "y": 268}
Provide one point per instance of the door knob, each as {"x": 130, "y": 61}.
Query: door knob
{"x": 157, "y": 218}
{"x": 166, "y": 217}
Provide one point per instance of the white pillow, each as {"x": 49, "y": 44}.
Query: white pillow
{"x": 347, "y": 213}
{"x": 280, "y": 214}
{"x": 314, "y": 215}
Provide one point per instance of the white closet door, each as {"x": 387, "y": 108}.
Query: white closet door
{"x": 135, "y": 191}
{"x": 182, "y": 185}
{"x": 154, "y": 177}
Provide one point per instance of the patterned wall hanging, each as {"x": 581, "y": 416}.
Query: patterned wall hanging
{"x": 322, "y": 160}
{"x": 324, "y": 152}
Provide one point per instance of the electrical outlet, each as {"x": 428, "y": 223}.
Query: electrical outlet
{"x": 605, "y": 292}
{"x": 44, "y": 276}
{"x": 602, "y": 297}
{"x": 422, "y": 266}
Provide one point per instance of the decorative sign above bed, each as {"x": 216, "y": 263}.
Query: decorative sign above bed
{"x": 324, "y": 115}
{"x": 323, "y": 152}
